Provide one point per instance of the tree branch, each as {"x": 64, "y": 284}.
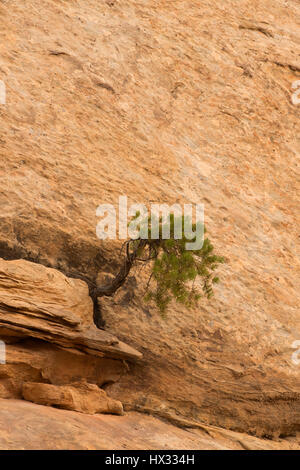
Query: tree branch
{"x": 120, "y": 278}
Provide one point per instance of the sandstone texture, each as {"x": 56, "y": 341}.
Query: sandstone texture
{"x": 81, "y": 396}
{"x": 24, "y": 425}
{"x": 54, "y": 354}
{"x": 39, "y": 302}
{"x": 165, "y": 102}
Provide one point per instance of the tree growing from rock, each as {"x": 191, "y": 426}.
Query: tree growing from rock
{"x": 176, "y": 273}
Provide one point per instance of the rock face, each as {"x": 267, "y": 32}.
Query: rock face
{"x": 39, "y": 302}
{"x": 80, "y": 396}
{"x": 163, "y": 102}
{"x": 49, "y": 428}
{"x": 51, "y": 341}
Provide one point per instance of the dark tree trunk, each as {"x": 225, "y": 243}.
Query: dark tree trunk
{"x": 118, "y": 281}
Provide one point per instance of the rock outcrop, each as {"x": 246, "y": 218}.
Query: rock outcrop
{"x": 163, "y": 102}
{"x": 42, "y": 427}
{"x": 80, "y": 396}
{"x": 46, "y": 321}
{"x": 39, "y": 302}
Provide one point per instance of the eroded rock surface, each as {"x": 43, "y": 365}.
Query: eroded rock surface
{"x": 46, "y": 321}
{"x": 163, "y": 102}
{"x": 80, "y": 396}
{"x": 40, "y": 302}
{"x": 43, "y": 427}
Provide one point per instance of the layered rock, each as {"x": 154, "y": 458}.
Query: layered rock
{"x": 39, "y": 302}
{"x": 46, "y": 322}
{"x": 80, "y": 396}
{"x": 163, "y": 102}
{"x": 25, "y": 425}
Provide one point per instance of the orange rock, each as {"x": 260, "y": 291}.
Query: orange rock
{"x": 25, "y": 425}
{"x": 163, "y": 102}
{"x": 40, "y": 302}
{"x": 80, "y": 396}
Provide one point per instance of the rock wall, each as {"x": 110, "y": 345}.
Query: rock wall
{"x": 163, "y": 102}
{"x": 54, "y": 354}
{"x": 49, "y": 428}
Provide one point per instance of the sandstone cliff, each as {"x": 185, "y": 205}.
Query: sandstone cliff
{"x": 163, "y": 102}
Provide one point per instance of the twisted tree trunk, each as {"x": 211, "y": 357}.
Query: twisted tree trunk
{"x": 120, "y": 278}
{"x": 96, "y": 291}
{"x": 117, "y": 282}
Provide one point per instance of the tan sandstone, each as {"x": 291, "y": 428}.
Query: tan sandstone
{"x": 163, "y": 102}
{"x": 80, "y": 396}
{"x": 25, "y": 425}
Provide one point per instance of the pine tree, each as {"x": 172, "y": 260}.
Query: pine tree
{"x": 175, "y": 270}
